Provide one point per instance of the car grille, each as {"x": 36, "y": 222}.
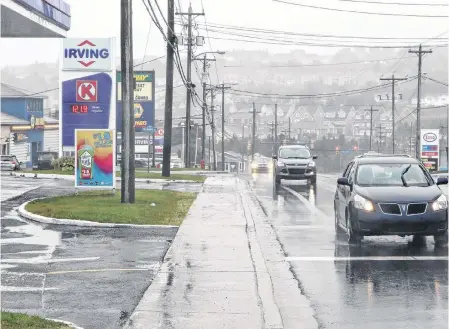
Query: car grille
{"x": 416, "y": 208}
{"x": 390, "y": 208}
{"x": 296, "y": 171}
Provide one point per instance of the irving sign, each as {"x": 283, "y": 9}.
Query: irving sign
{"x": 87, "y": 55}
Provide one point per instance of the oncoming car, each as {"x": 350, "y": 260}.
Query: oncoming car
{"x": 261, "y": 164}
{"x": 390, "y": 195}
{"x": 294, "y": 162}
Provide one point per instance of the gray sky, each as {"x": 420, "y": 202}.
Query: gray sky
{"x": 100, "y": 18}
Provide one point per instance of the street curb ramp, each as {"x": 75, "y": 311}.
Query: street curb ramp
{"x": 74, "y": 222}
{"x": 294, "y": 307}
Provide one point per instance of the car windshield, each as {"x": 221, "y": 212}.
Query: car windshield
{"x": 7, "y": 158}
{"x": 46, "y": 157}
{"x": 294, "y": 153}
{"x": 385, "y": 174}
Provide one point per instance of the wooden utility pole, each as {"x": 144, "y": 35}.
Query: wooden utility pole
{"x": 254, "y": 132}
{"x": 222, "y": 87}
{"x": 371, "y": 126}
{"x": 128, "y": 189}
{"x": 393, "y": 80}
{"x": 275, "y": 128}
{"x": 166, "y": 157}
{"x": 190, "y": 16}
{"x": 420, "y": 54}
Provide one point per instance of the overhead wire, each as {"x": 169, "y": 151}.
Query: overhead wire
{"x": 358, "y": 12}
{"x": 397, "y": 3}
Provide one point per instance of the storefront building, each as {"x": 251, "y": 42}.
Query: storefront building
{"x": 25, "y": 131}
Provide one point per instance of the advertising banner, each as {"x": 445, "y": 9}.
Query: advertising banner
{"x": 87, "y": 87}
{"x": 143, "y": 100}
{"x": 94, "y": 158}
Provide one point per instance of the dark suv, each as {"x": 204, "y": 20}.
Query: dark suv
{"x": 294, "y": 162}
{"x": 390, "y": 195}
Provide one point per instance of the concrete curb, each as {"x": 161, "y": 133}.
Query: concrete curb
{"x": 294, "y": 307}
{"x": 72, "y": 178}
{"x": 70, "y": 324}
{"x": 84, "y": 223}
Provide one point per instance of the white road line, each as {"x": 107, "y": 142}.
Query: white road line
{"x": 366, "y": 258}
{"x": 42, "y": 260}
{"x": 306, "y": 202}
{"x": 23, "y": 289}
{"x": 305, "y": 227}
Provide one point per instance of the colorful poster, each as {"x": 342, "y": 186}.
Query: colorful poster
{"x": 94, "y": 158}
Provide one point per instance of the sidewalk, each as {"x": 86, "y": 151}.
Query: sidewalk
{"x": 214, "y": 275}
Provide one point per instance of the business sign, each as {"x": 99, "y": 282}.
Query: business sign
{"x": 87, "y": 88}
{"x": 143, "y": 100}
{"x": 430, "y": 144}
{"x": 88, "y": 54}
{"x": 94, "y": 158}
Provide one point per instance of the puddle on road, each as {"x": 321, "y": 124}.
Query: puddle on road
{"x": 19, "y": 232}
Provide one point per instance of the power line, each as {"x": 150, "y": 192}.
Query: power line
{"x": 347, "y": 92}
{"x": 284, "y": 43}
{"x": 358, "y": 12}
{"x": 326, "y": 64}
{"x": 434, "y": 80}
{"x": 398, "y": 3}
{"x": 269, "y": 31}
{"x": 208, "y": 39}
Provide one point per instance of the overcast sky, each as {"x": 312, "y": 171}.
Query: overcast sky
{"x": 100, "y": 18}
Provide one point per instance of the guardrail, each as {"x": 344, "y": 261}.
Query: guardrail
{"x": 55, "y": 11}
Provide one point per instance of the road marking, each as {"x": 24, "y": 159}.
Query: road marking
{"x": 366, "y": 258}
{"x": 306, "y": 202}
{"x": 99, "y": 270}
{"x": 23, "y": 289}
{"x": 38, "y": 260}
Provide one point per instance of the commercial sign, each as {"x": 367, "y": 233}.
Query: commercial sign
{"x": 143, "y": 100}
{"x": 88, "y": 54}
{"x": 88, "y": 88}
{"x": 94, "y": 158}
{"x": 430, "y": 148}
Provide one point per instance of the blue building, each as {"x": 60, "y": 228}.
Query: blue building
{"x": 24, "y": 129}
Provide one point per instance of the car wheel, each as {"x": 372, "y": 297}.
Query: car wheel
{"x": 313, "y": 181}
{"x": 277, "y": 180}
{"x": 441, "y": 240}
{"x": 353, "y": 236}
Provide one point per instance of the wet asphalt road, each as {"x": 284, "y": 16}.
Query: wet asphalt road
{"x": 385, "y": 283}
{"x": 89, "y": 276}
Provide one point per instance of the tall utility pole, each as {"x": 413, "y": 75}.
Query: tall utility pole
{"x": 189, "y": 15}
{"x": 222, "y": 87}
{"x": 212, "y": 110}
{"x": 393, "y": 79}
{"x": 203, "y": 137}
{"x": 168, "y": 91}
{"x": 288, "y": 131}
{"x": 275, "y": 128}
{"x": 128, "y": 188}
{"x": 420, "y": 53}
{"x": 380, "y": 137}
{"x": 254, "y": 132}
{"x": 371, "y": 126}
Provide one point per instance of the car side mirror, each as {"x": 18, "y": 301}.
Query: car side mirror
{"x": 275, "y": 157}
{"x": 343, "y": 181}
{"x": 315, "y": 157}
{"x": 442, "y": 181}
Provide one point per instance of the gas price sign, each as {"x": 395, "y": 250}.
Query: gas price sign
{"x": 79, "y": 108}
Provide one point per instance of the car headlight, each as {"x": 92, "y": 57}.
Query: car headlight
{"x": 311, "y": 164}
{"x": 254, "y": 165}
{"x": 440, "y": 203}
{"x": 363, "y": 204}
{"x": 280, "y": 164}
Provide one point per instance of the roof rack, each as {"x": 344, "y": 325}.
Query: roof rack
{"x": 383, "y": 155}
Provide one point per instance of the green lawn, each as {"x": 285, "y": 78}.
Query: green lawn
{"x": 23, "y": 321}
{"x": 101, "y": 206}
{"x": 139, "y": 174}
